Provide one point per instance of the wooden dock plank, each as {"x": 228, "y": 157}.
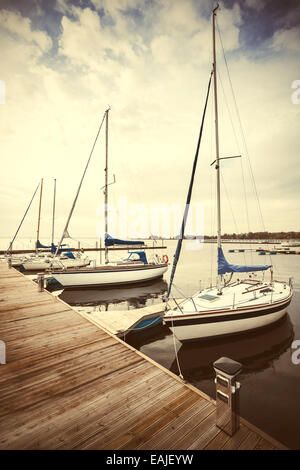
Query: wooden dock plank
{"x": 235, "y": 441}
{"x": 218, "y": 441}
{"x": 95, "y": 423}
{"x": 96, "y": 400}
{"x": 166, "y": 436}
{"x": 47, "y": 344}
{"x": 250, "y": 442}
{"x": 59, "y": 406}
{"x": 69, "y": 384}
{"x": 173, "y": 398}
{"x": 23, "y": 312}
{"x": 39, "y": 325}
{"x": 6, "y": 306}
{"x": 29, "y": 365}
{"x": 63, "y": 378}
{"x": 263, "y": 445}
{"x": 189, "y": 439}
{"x": 117, "y": 417}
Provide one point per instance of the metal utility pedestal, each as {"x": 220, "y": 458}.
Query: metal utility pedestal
{"x": 227, "y": 394}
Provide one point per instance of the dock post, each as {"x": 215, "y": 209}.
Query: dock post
{"x": 2, "y": 352}
{"x": 9, "y": 262}
{"x": 227, "y": 394}
{"x": 40, "y": 279}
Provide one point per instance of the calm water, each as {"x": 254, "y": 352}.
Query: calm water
{"x": 270, "y": 393}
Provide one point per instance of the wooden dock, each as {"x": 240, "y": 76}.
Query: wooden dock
{"x": 122, "y": 322}
{"x": 68, "y": 384}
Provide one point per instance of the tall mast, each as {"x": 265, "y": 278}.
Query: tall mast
{"x": 39, "y": 217}
{"x": 65, "y": 232}
{"x": 217, "y": 131}
{"x": 106, "y": 179}
{"x": 53, "y": 215}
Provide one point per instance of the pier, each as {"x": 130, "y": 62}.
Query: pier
{"x": 122, "y": 322}
{"x": 70, "y": 384}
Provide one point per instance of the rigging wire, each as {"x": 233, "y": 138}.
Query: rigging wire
{"x": 80, "y": 184}
{"x": 180, "y": 292}
{"x": 11, "y": 243}
{"x": 241, "y": 162}
{"x": 242, "y": 135}
{"x": 239, "y": 151}
{"x": 176, "y": 353}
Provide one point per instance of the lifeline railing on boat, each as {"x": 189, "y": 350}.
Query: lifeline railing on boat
{"x": 228, "y": 306}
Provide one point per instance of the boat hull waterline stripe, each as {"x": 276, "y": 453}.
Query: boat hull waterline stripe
{"x": 109, "y": 277}
{"x": 225, "y": 318}
{"x": 104, "y": 271}
{"x": 111, "y": 284}
{"x": 214, "y": 330}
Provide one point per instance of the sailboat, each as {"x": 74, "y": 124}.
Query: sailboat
{"x": 232, "y": 306}
{"x": 41, "y": 261}
{"x": 134, "y": 269}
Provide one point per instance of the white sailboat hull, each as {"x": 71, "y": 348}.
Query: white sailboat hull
{"x": 190, "y": 332}
{"x": 106, "y": 276}
{"x": 256, "y": 313}
{"x": 42, "y": 264}
{"x": 16, "y": 263}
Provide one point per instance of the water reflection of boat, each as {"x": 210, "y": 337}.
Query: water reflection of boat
{"x": 135, "y": 297}
{"x": 255, "y": 350}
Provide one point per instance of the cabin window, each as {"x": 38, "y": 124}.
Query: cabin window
{"x": 210, "y": 298}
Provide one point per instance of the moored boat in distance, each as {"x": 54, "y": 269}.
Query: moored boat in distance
{"x": 290, "y": 244}
{"x": 111, "y": 274}
{"x": 130, "y": 271}
{"x": 66, "y": 260}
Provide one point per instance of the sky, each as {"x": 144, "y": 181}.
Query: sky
{"x": 65, "y": 62}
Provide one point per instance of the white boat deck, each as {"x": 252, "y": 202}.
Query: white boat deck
{"x": 237, "y": 295}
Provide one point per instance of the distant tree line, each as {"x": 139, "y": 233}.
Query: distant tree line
{"x": 258, "y": 236}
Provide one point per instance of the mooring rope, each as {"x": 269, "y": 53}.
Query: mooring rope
{"x": 176, "y": 353}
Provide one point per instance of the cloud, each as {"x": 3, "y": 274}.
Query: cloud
{"x": 20, "y": 27}
{"x": 151, "y": 62}
{"x": 286, "y": 39}
{"x": 255, "y": 4}
{"x": 63, "y": 6}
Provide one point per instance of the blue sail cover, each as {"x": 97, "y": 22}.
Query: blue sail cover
{"x": 141, "y": 254}
{"x": 53, "y": 247}
{"x": 39, "y": 245}
{"x": 109, "y": 241}
{"x": 69, "y": 254}
{"x": 61, "y": 250}
{"x": 225, "y": 267}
